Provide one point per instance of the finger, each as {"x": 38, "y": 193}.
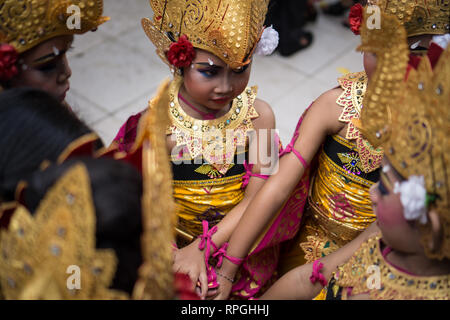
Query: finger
{"x": 198, "y": 291}
{"x": 194, "y": 280}
{"x": 203, "y": 284}
{"x": 212, "y": 293}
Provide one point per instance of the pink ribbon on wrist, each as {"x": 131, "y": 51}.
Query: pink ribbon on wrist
{"x": 206, "y": 242}
{"x": 222, "y": 253}
{"x": 317, "y": 275}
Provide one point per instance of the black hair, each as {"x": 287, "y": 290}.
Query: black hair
{"x": 34, "y": 127}
{"x": 117, "y": 191}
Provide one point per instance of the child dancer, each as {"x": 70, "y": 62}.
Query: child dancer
{"x": 35, "y": 36}
{"x": 410, "y": 258}
{"x": 345, "y": 164}
{"x": 209, "y": 47}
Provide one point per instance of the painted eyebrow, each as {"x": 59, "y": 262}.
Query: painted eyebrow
{"x": 45, "y": 58}
{"x": 206, "y": 64}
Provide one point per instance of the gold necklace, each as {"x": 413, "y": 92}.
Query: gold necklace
{"x": 214, "y": 140}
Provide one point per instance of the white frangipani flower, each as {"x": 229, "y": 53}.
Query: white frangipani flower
{"x": 442, "y": 40}
{"x": 268, "y": 42}
{"x": 413, "y": 198}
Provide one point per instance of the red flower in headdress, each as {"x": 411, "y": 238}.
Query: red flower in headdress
{"x": 181, "y": 53}
{"x": 8, "y": 60}
{"x": 355, "y": 17}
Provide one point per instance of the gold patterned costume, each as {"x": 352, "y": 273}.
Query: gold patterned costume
{"x": 339, "y": 205}
{"x": 410, "y": 120}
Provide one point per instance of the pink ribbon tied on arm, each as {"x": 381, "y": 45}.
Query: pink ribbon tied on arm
{"x": 317, "y": 275}
{"x": 206, "y": 242}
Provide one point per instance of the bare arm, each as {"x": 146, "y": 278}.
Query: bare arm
{"x": 320, "y": 120}
{"x": 296, "y": 284}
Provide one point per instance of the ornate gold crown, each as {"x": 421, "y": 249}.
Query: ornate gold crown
{"x": 41, "y": 253}
{"x": 230, "y": 29}
{"x": 410, "y": 118}
{"x": 27, "y": 23}
{"x": 419, "y": 16}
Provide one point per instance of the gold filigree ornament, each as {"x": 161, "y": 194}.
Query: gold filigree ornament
{"x": 419, "y": 17}
{"x": 40, "y": 254}
{"x": 27, "y": 23}
{"x": 230, "y": 29}
{"x": 393, "y": 283}
{"x": 156, "y": 279}
{"x": 410, "y": 119}
{"x": 214, "y": 140}
{"x": 354, "y": 86}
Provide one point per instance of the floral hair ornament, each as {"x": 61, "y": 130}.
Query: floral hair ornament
{"x": 181, "y": 53}
{"x": 8, "y": 62}
{"x": 413, "y": 197}
{"x": 355, "y": 18}
{"x": 268, "y": 42}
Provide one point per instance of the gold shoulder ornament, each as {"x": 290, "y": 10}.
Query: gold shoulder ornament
{"x": 354, "y": 87}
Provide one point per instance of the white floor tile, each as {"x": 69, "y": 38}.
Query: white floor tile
{"x": 125, "y": 14}
{"x": 273, "y": 78}
{"x": 134, "y": 107}
{"x": 86, "y": 110}
{"x": 112, "y": 76}
{"x": 351, "y": 61}
{"x": 291, "y": 106}
{"x": 107, "y": 129}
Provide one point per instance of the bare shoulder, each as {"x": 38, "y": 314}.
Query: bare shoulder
{"x": 327, "y": 110}
{"x": 327, "y": 100}
{"x": 266, "y": 118}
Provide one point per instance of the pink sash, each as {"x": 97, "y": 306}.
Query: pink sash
{"x": 259, "y": 266}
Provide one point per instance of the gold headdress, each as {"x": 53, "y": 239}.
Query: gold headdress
{"x": 230, "y": 29}
{"x": 27, "y": 23}
{"x": 419, "y": 17}
{"x": 45, "y": 255}
{"x": 410, "y": 118}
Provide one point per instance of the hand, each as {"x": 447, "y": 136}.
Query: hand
{"x": 191, "y": 261}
